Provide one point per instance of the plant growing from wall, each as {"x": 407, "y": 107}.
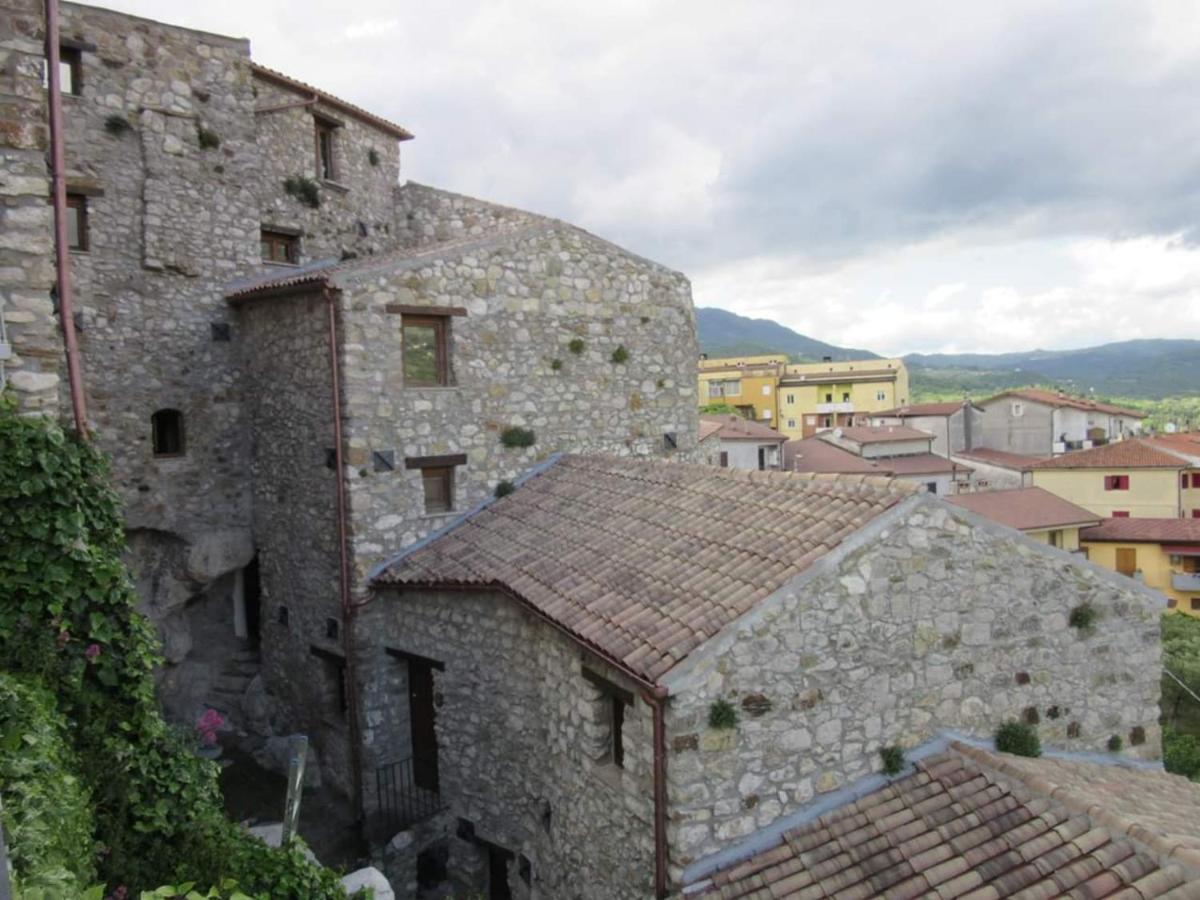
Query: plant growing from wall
{"x": 504, "y": 488}
{"x": 514, "y": 436}
{"x": 69, "y": 621}
{"x": 1115, "y": 743}
{"x": 304, "y": 189}
{"x": 117, "y": 125}
{"x": 892, "y": 758}
{"x": 620, "y": 355}
{"x": 373, "y": 156}
{"x": 1083, "y": 617}
{"x": 1018, "y": 739}
{"x": 722, "y": 715}
{"x": 556, "y": 364}
{"x": 209, "y": 139}
{"x": 576, "y": 346}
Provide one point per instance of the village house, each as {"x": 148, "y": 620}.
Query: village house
{"x": 1164, "y": 554}
{"x": 628, "y": 674}
{"x": 996, "y": 470}
{"x": 743, "y": 443}
{"x": 818, "y": 396}
{"x": 955, "y": 426}
{"x": 1130, "y": 478}
{"x": 1035, "y": 422}
{"x": 750, "y": 384}
{"x": 903, "y": 452}
{"x": 827, "y": 454}
{"x": 1033, "y": 511}
{"x": 298, "y": 365}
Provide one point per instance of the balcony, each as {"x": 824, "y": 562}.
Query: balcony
{"x": 407, "y": 793}
{"x": 846, "y": 407}
{"x": 1185, "y": 581}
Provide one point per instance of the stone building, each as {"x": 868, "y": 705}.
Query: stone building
{"x": 625, "y": 675}
{"x": 195, "y": 174}
{"x": 955, "y": 426}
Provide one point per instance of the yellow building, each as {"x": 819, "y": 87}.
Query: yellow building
{"x": 1164, "y": 554}
{"x": 817, "y": 396}
{"x": 1038, "y": 513}
{"x": 1129, "y": 479}
{"x": 747, "y": 383}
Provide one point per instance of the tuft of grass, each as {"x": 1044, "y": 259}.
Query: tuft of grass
{"x": 504, "y": 488}
{"x": 1083, "y": 617}
{"x": 722, "y": 715}
{"x": 620, "y": 355}
{"x": 556, "y": 364}
{"x": 1115, "y": 744}
{"x": 373, "y": 156}
{"x": 893, "y": 759}
{"x": 303, "y": 189}
{"x": 209, "y": 139}
{"x": 515, "y": 436}
{"x": 1018, "y": 739}
{"x": 576, "y": 346}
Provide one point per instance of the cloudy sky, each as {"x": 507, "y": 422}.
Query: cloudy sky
{"x": 917, "y": 176}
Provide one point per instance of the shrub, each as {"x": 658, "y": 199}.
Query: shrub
{"x": 620, "y": 355}
{"x": 68, "y": 617}
{"x": 303, "y": 189}
{"x": 722, "y": 714}
{"x": 515, "y": 436}
{"x": 1083, "y": 617}
{"x": 117, "y": 125}
{"x": 504, "y": 488}
{"x": 576, "y": 346}
{"x": 1115, "y": 744}
{"x": 373, "y": 156}
{"x": 556, "y": 364}
{"x": 209, "y": 139}
{"x": 893, "y": 759}
{"x": 1018, "y": 739}
{"x": 1181, "y": 753}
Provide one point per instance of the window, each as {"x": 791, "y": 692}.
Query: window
{"x": 325, "y": 157}
{"x": 279, "y": 247}
{"x": 1018, "y": 410}
{"x": 730, "y": 387}
{"x": 1116, "y": 482}
{"x": 932, "y": 486}
{"x": 827, "y": 422}
{"x": 337, "y": 697}
{"x": 437, "y": 480}
{"x": 792, "y": 424}
{"x": 1196, "y": 603}
{"x": 70, "y": 71}
{"x": 845, "y": 396}
{"x": 829, "y": 398}
{"x": 1120, "y": 514}
{"x": 724, "y": 459}
{"x": 166, "y": 431}
{"x": 77, "y": 222}
{"x": 425, "y": 350}
{"x": 881, "y": 395}
{"x": 791, "y": 398}
{"x": 1056, "y": 538}
{"x": 766, "y": 390}
{"x": 1196, "y": 513}
{"x": 614, "y": 700}
{"x": 1196, "y": 479}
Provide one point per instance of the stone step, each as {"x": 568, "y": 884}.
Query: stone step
{"x": 231, "y": 684}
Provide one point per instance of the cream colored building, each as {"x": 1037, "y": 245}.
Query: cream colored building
{"x": 817, "y": 396}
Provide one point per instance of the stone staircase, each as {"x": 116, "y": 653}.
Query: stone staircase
{"x": 233, "y": 679}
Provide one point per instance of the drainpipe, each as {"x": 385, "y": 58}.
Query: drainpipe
{"x": 344, "y": 560}
{"x": 657, "y": 698}
{"x": 62, "y": 259}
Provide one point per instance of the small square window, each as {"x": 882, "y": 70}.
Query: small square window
{"x": 438, "y": 482}
{"x": 425, "y": 348}
{"x": 331, "y": 629}
{"x": 77, "y": 222}
{"x": 70, "y": 71}
{"x": 279, "y": 247}
{"x": 1018, "y": 410}
{"x": 1120, "y": 514}
{"x": 166, "y": 430}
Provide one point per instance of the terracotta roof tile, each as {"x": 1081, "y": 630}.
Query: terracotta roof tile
{"x": 732, "y": 427}
{"x": 1154, "y": 531}
{"x": 1010, "y": 827}
{"x": 597, "y": 544}
{"x": 1024, "y": 508}
{"x": 875, "y": 434}
{"x": 1129, "y": 454}
{"x": 1056, "y": 400}
{"x": 1001, "y": 458}
{"x": 915, "y": 410}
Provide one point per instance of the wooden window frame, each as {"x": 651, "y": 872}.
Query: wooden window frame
{"x": 289, "y": 242}
{"x": 80, "y": 240}
{"x": 154, "y": 434}
{"x": 618, "y": 701}
{"x": 441, "y": 326}
{"x": 1116, "y": 482}
{"x": 439, "y": 467}
{"x": 1195, "y": 479}
{"x": 324, "y": 134}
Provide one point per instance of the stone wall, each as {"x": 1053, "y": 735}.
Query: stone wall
{"x": 521, "y": 740}
{"x": 26, "y": 219}
{"x": 286, "y": 354}
{"x": 527, "y": 295}
{"x": 1030, "y": 434}
{"x": 426, "y": 216}
{"x": 355, "y": 216}
{"x": 936, "y": 620}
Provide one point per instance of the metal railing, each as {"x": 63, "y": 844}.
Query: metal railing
{"x": 407, "y": 793}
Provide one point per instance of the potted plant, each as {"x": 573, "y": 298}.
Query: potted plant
{"x": 206, "y": 734}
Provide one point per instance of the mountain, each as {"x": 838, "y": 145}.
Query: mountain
{"x": 1141, "y": 368}
{"x": 723, "y": 333}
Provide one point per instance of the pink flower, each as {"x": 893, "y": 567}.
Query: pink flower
{"x": 92, "y": 651}
{"x": 208, "y": 725}
{"x": 64, "y": 636}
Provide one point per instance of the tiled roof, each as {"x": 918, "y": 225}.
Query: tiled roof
{"x": 979, "y": 824}
{"x": 1051, "y": 398}
{"x": 269, "y": 74}
{"x": 796, "y": 378}
{"x": 732, "y": 427}
{"x": 815, "y": 455}
{"x": 1001, "y": 458}
{"x": 1129, "y": 454}
{"x": 922, "y": 409}
{"x": 708, "y": 429}
{"x": 645, "y": 560}
{"x": 923, "y": 464}
{"x": 1149, "y": 531}
{"x": 1185, "y": 443}
{"x": 874, "y": 434}
{"x": 1025, "y": 508}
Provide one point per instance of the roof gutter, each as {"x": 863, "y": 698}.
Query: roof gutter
{"x": 62, "y": 257}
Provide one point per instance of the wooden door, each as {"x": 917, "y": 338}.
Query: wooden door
{"x": 422, "y": 718}
{"x": 1126, "y": 560}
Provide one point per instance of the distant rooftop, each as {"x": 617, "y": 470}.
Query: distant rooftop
{"x": 1133, "y": 453}
{"x": 1026, "y": 509}
{"x": 818, "y": 456}
{"x": 1059, "y": 400}
{"x": 915, "y": 410}
{"x": 876, "y": 434}
{"x": 1151, "y": 531}
{"x": 732, "y": 427}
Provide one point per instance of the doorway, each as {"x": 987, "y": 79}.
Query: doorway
{"x": 251, "y": 596}
{"x": 497, "y": 858}
{"x": 422, "y": 723}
